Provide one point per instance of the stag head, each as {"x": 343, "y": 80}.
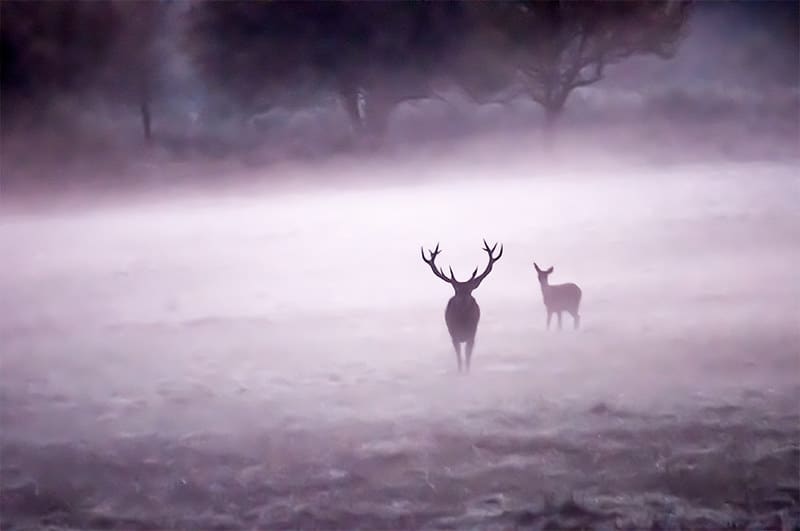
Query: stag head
{"x": 468, "y": 286}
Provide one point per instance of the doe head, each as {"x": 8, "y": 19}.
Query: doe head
{"x": 542, "y": 274}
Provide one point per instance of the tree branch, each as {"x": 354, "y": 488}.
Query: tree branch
{"x": 596, "y": 76}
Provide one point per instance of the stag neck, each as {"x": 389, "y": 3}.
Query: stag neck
{"x": 463, "y": 294}
{"x": 458, "y": 290}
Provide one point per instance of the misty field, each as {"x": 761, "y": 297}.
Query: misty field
{"x": 280, "y": 360}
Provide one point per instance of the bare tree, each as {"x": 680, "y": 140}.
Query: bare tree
{"x": 555, "y": 46}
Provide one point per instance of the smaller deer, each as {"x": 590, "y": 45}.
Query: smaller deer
{"x": 559, "y": 298}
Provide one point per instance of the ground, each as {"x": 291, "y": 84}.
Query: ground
{"x": 281, "y": 360}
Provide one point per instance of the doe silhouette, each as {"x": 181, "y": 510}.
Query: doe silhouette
{"x": 559, "y": 298}
{"x": 462, "y": 313}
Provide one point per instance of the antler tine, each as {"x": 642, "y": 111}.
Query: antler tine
{"x": 492, "y": 260}
{"x": 432, "y": 263}
{"x": 434, "y": 253}
{"x": 491, "y": 250}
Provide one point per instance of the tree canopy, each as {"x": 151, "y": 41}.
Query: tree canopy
{"x": 51, "y": 50}
{"x": 371, "y": 55}
{"x": 555, "y": 47}
{"x": 374, "y": 55}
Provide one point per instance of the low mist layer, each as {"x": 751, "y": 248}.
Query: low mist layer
{"x": 281, "y": 359}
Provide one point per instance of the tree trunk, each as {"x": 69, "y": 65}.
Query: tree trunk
{"x": 145, "y": 112}
{"x": 368, "y": 113}
{"x": 349, "y": 97}
{"x": 376, "y": 119}
{"x": 552, "y": 114}
{"x": 144, "y": 109}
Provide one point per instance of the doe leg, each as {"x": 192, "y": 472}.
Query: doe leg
{"x": 576, "y": 320}
{"x": 549, "y": 316}
{"x": 457, "y": 346}
{"x": 470, "y": 345}
{"x": 559, "y": 320}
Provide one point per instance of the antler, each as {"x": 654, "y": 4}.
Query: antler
{"x": 492, "y": 260}
{"x": 431, "y": 262}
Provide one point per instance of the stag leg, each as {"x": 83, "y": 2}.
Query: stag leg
{"x": 468, "y": 353}
{"x": 457, "y": 346}
{"x": 549, "y": 316}
{"x": 559, "y": 320}
{"x": 576, "y": 320}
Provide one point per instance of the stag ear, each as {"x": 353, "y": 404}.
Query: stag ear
{"x": 549, "y": 270}
{"x": 537, "y": 268}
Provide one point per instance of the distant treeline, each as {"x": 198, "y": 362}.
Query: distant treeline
{"x": 251, "y": 57}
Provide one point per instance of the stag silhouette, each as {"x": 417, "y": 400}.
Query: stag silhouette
{"x": 462, "y": 313}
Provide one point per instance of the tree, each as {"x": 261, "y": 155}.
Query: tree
{"x": 556, "y": 46}
{"x": 48, "y": 50}
{"x": 81, "y": 50}
{"x": 373, "y": 55}
{"x": 396, "y": 57}
{"x": 133, "y": 69}
{"x": 477, "y": 60}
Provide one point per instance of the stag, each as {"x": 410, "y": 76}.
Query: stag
{"x": 559, "y": 298}
{"x": 462, "y": 313}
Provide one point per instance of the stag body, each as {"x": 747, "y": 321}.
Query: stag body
{"x": 559, "y": 298}
{"x": 462, "y": 313}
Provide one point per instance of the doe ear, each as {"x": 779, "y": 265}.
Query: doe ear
{"x": 537, "y": 267}
{"x": 550, "y": 270}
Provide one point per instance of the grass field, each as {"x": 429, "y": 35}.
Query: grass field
{"x": 281, "y": 361}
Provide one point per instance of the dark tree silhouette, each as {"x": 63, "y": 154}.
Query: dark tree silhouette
{"x": 134, "y": 68}
{"x": 102, "y": 49}
{"x": 373, "y": 55}
{"x": 249, "y": 50}
{"x": 555, "y": 47}
{"x": 50, "y": 49}
{"x": 478, "y": 59}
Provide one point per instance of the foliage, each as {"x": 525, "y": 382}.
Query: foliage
{"x": 58, "y": 49}
{"x": 51, "y": 48}
{"x": 555, "y": 47}
{"x": 372, "y": 55}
